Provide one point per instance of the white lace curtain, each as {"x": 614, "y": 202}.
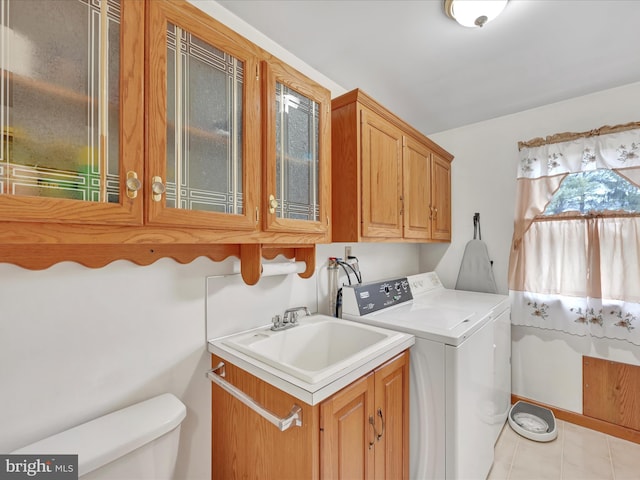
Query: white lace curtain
{"x": 576, "y": 273}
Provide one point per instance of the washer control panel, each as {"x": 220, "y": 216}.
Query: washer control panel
{"x": 374, "y": 296}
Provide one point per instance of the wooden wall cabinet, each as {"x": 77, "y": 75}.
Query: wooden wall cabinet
{"x": 72, "y": 135}
{"x": 297, "y": 136}
{"x": 390, "y": 182}
{"x": 361, "y": 432}
{"x": 184, "y": 156}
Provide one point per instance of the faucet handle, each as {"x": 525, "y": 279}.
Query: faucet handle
{"x": 291, "y": 314}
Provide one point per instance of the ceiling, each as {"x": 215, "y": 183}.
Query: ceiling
{"x": 437, "y": 75}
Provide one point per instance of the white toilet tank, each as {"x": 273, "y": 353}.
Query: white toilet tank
{"x": 137, "y": 442}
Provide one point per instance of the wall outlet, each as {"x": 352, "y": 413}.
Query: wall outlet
{"x": 347, "y": 252}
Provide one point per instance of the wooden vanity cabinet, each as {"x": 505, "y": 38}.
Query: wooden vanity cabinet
{"x": 390, "y": 182}
{"x": 246, "y": 446}
{"x": 365, "y": 427}
{"x": 360, "y": 432}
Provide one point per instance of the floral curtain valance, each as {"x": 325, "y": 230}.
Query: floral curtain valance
{"x": 613, "y": 151}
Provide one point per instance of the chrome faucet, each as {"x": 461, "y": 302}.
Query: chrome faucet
{"x": 289, "y": 318}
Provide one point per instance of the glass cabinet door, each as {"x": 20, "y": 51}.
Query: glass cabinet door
{"x": 203, "y": 117}
{"x": 71, "y": 143}
{"x": 297, "y": 151}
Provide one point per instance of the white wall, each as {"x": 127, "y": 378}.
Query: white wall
{"x": 76, "y": 343}
{"x": 546, "y": 365}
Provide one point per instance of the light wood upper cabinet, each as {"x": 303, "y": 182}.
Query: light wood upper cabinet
{"x": 381, "y": 177}
{"x": 296, "y": 124}
{"x": 427, "y": 193}
{"x": 417, "y": 190}
{"x": 72, "y": 112}
{"x": 390, "y": 183}
{"x": 203, "y": 122}
{"x": 162, "y": 135}
{"x": 441, "y": 198}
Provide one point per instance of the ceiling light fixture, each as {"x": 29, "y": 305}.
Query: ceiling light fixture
{"x": 473, "y": 13}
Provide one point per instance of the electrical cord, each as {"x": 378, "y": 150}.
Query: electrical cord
{"x": 358, "y": 275}
{"x": 344, "y": 265}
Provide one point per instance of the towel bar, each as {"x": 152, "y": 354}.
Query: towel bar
{"x": 293, "y": 419}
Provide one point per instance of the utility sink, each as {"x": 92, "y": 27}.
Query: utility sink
{"x": 317, "y": 348}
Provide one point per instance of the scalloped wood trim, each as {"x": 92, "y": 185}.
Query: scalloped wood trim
{"x": 307, "y": 255}
{"x": 40, "y": 256}
{"x": 251, "y": 263}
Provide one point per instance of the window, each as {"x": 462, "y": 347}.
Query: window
{"x": 576, "y": 244}
{"x": 594, "y": 191}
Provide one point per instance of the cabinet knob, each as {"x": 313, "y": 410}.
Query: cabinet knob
{"x": 273, "y": 204}
{"x": 133, "y": 184}
{"x": 157, "y": 189}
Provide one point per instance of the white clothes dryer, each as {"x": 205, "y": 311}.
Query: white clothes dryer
{"x": 460, "y": 388}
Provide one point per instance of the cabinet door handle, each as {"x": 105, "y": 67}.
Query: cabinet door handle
{"x": 273, "y": 204}
{"x": 435, "y": 213}
{"x": 294, "y": 419}
{"x": 372, "y": 422}
{"x": 133, "y": 184}
{"x": 382, "y": 420}
{"x": 157, "y": 189}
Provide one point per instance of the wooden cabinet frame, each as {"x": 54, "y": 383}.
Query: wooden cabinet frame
{"x": 47, "y": 210}
{"x": 190, "y": 19}
{"x": 365, "y": 426}
{"x": 337, "y": 439}
{"x": 390, "y": 182}
{"x": 38, "y": 232}
{"x": 273, "y": 72}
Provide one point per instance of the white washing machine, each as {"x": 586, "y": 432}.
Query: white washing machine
{"x": 460, "y": 389}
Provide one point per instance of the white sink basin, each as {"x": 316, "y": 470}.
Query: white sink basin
{"x": 317, "y": 348}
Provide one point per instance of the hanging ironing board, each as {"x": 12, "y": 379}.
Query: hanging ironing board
{"x": 476, "y": 272}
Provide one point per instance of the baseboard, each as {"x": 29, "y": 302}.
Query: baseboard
{"x": 587, "y": 422}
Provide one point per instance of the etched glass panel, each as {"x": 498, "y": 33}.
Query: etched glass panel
{"x": 60, "y": 96}
{"x": 204, "y": 125}
{"x": 297, "y": 136}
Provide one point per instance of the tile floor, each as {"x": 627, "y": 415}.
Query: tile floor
{"x": 577, "y": 454}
